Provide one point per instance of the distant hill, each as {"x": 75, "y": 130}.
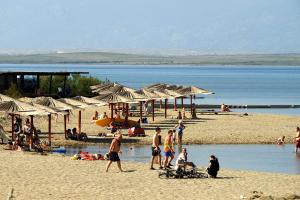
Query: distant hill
{"x": 126, "y": 58}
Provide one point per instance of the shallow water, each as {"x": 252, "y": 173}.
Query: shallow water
{"x": 256, "y": 157}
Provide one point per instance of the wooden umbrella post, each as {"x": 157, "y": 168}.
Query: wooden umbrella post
{"x": 191, "y": 105}
{"x": 31, "y": 130}
{"x": 153, "y": 109}
{"x": 127, "y": 109}
{"x": 181, "y": 102}
{"x": 49, "y": 129}
{"x": 111, "y": 110}
{"x": 79, "y": 121}
{"x": 141, "y": 111}
{"x": 160, "y": 104}
{"x": 175, "y": 104}
{"x": 12, "y": 127}
{"x": 166, "y": 105}
{"x": 65, "y": 125}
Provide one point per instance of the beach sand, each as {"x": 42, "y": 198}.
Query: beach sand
{"x": 59, "y": 177}
{"x": 224, "y": 128}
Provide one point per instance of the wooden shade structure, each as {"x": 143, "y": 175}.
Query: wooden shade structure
{"x": 14, "y": 107}
{"x": 113, "y": 98}
{"x": 90, "y": 101}
{"x": 151, "y": 96}
{"x": 55, "y": 104}
{"x": 78, "y": 105}
{"x": 192, "y": 91}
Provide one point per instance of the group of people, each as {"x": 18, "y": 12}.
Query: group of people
{"x": 169, "y": 152}
{"x": 74, "y": 135}
{"x": 26, "y": 137}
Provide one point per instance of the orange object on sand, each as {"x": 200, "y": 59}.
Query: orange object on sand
{"x": 119, "y": 122}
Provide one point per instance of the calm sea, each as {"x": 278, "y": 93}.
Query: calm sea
{"x": 243, "y": 85}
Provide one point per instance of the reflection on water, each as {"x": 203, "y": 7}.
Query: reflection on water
{"x": 268, "y": 158}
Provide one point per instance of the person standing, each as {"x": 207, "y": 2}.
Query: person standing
{"x": 114, "y": 149}
{"x": 297, "y": 140}
{"x": 168, "y": 150}
{"x": 180, "y": 129}
{"x": 155, "y": 148}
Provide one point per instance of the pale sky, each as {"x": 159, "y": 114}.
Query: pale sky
{"x": 257, "y": 26}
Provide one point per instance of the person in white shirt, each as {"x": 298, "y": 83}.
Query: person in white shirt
{"x": 182, "y": 160}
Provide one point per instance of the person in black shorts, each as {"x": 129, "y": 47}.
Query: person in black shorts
{"x": 155, "y": 148}
{"x": 113, "y": 152}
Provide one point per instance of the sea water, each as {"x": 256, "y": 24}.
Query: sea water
{"x": 255, "y": 157}
{"x": 241, "y": 85}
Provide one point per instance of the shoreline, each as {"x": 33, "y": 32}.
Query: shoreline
{"x": 232, "y": 128}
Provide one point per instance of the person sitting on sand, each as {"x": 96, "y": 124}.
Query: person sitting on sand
{"x": 95, "y": 116}
{"x": 297, "y": 140}
{"x": 224, "y": 108}
{"x": 104, "y": 116}
{"x": 116, "y": 115}
{"x": 280, "y": 140}
{"x": 182, "y": 160}
{"x": 114, "y": 149}
{"x": 213, "y": 166}
{"x": 113, "y": 126}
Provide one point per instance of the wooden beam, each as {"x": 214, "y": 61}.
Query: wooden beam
{"x": 141, "y": 111}
{"x": 12, "y": 127}
{"x": 49, "y": 129}
{"x": 79, "y": 121}
{"x": 153, "y": 109}
{"x": 166, "y": 105}
{"x": 65, "y": 125}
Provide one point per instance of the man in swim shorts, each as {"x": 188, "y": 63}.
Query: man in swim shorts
{"x": 155, "y": 148}
{"x": 113, "y": 152}
{"x": 168, "y": 150}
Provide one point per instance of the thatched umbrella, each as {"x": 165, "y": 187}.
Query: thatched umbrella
{"x": 113, "y": 98}
{"x": 78, "y": 104}
{"x": 175, "y": 95}
{"x": 48, "y": 109}
{"x": 164, "y": 96}
{"x": 151, "y": 96}
{"x": 14, "y": 107}
{"x": 52, "y": 103}
{"x": 90, "y": 101}
{"x": 191, "y": 91}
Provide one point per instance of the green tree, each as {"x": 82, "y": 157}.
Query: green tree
{"x": 13, "y": 92}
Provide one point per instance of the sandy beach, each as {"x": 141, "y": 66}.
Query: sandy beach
{"x": 33, "y": 176}
{"x": 59, "y": 177}
{"x": 224, "y": 128}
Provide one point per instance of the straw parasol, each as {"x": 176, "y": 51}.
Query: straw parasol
{"x": 15, "y": 107}
{"x": 90, "y": 101}
{"x": 191, "y": 91}
{"x": 78, "y": 104}
{"x": 113, "y": 98}
{"x": 52, "y": 103}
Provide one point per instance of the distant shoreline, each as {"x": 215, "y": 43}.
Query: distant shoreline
{"x": 139, "y": 59}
